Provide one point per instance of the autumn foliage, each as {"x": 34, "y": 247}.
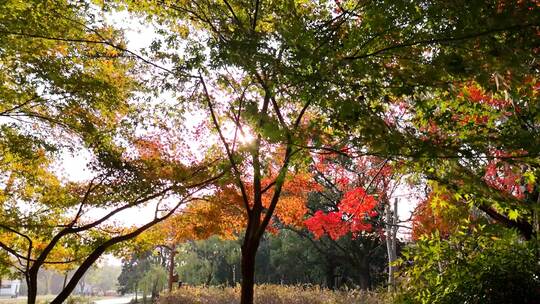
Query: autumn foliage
{"x": 364, "y": 182}
{"x": 509, "y": 178}
{"x": 427, "y": 219}
{"x": 353, "y": 210}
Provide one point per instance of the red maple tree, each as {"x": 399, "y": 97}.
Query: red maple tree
{"x": 364, "y": 183}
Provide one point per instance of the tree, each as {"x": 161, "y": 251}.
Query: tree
{"x": 260, "y": 99}
{"x": 470, "y": 169}
{"x": 133, "y": 269}
{"x": 263, "y": 66}
{"x": 68, "y": 86}
{"x": 477, "y": 109}
{"x": 214, "y": 215}
{"x": 153, "y": 282}
{"x": 357, "y": 194}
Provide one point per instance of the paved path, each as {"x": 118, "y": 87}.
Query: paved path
{"x": 123, "y": 300}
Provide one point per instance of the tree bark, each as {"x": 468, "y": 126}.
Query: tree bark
{"x": 330, "y": 275}
{"x": 31, "y": 282}
{"x": 364, "y": 274}
{"x": 249, "y": 251}
{"x": 364, "y": 278}
{"x": 171, "y": 266}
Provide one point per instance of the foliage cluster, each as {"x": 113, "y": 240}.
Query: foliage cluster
{"x": 470, "y": 266}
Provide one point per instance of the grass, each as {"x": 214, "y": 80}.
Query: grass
{"x": 22, "y": 300}
{"x": 270, "y": 294}
{"x": 47, "y": 298}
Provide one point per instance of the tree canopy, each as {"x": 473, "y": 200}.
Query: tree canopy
{"x": 311, "y": 112}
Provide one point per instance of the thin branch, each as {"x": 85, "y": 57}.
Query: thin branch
{"x": 280, "y": 180}
{"x": 84, "y": 200}
{"x": 441, "y": 40}
{"x": 195, "y": 15}
{"x": 18, "y": 106}
{"x": 301, "y": 114}
{"x": 89, "y": 41}
{"x": 245, "y": 197}
{"x": 255, "y": 14}
{"x": 356, "y": 154}
{"x": 267, "y": 187}
{"x": 233, "y": 13}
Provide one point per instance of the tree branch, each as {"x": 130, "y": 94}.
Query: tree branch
{"x": 441, "y": 40}
{"x": 245, "y": 197}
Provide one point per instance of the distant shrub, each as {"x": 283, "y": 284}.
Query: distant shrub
{"x": 78, "y": 300}
{"x": 269, "y": 294}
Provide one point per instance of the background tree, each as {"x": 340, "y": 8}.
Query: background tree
{"x": 103, "y": 278}
{"x": 133, "y": 269}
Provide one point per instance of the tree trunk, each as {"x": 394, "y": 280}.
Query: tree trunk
{"x": 233, "y": 275}
{"x": 536, "y": 224}
{"x": 364, "y": 272}
{"x": 330, "y": 275}
{"x": 391, "y": 242}
{"x": 364, "y": 279}
{"x": 249, "y": 251}
{"x": 209, "y": 278}
{"x": 171, "y": 267}
{"x": 65, "y": 280}
{"x": 31, "y": 281}
{"x": 154, "y": 292}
